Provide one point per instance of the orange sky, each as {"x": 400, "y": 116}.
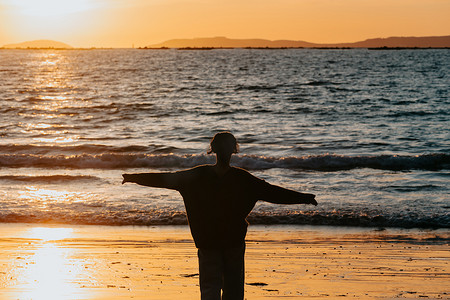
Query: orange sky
{"x": 121, "y": 23}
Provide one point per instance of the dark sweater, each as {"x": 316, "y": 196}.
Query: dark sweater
{"x": 217, "y": 207}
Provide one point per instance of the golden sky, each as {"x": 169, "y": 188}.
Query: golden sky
{"x": 122, "y": 23}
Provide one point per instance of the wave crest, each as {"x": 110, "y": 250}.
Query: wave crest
{"x": 327, "y": 162}
{"x": 149, "y": 218}
{"x": 49, "y": 178}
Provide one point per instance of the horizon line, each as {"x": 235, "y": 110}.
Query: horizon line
{"x": 9, "y": 45}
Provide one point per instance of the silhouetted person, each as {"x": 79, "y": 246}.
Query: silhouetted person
{"x": 218, "y": 199}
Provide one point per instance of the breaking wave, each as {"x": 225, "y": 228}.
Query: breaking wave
{"x": 327, "y": 162}
{"x": 49, "y": 178}
{"x": 150, "y": 218}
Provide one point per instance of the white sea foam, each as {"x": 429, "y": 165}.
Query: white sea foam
{"x": 328, "y": 162}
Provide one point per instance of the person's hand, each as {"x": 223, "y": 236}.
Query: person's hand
{"x": 311, "y": 199}
{"x": 125, "y": 178}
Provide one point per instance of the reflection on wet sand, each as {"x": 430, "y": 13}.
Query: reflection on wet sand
{"x": 45, "y": 269}
{"x": 160, "y": 263}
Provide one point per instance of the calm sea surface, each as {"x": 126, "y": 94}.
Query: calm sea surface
{"x": 368, "y": 132}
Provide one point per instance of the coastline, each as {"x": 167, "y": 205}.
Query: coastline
{"x": 107, "y": 262}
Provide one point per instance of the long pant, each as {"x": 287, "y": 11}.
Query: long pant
{"x": 222, "y": 270}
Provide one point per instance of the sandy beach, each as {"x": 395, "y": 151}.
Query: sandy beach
{"x": 104, "y": 262}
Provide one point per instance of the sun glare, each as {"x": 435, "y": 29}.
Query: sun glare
{"x": 49, "y": 234}
{"x": 45, "y": 8}
{"x": 51, "y": 272}
{"x": 47, "y": 196}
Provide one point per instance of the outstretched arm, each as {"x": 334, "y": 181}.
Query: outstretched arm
{"x": 276, "y": 194}
{"x": 161, "y": 180}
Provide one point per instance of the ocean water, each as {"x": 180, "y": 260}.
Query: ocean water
{"x": 366, "y": 131}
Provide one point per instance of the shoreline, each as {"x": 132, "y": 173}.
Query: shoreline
{"x": 112, "y": 262}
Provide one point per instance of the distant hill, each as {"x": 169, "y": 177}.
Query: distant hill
{"x": 223, "y": 42}
{"x": 408, "y": 42}
{"x": 42, "y": 44}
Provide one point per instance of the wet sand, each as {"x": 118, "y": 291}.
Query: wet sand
{"x": 103, "y": 262}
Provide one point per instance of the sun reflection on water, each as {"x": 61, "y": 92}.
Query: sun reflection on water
{"x": 51, "y": 97}
{"x": 46, "y": 195}
{"x": 48, "y": 199}
{"x": 57, "y": 140}
{"x": 52, "y": 106}
{"x": 60, "y": 98}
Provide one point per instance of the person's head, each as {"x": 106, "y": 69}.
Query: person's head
{"x": 223, "y": 143}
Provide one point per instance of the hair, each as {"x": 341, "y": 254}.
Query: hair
{"x": 221, "y": 139}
